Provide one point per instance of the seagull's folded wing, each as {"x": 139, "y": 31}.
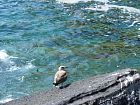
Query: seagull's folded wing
{"x": 60, "y": 76}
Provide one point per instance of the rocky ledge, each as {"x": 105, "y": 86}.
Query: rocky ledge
{"x": 118, "y": 88}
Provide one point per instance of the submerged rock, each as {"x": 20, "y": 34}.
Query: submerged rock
{"x": 117, "y": 88}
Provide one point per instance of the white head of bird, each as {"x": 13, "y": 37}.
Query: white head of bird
{"x": 62, "y": 68}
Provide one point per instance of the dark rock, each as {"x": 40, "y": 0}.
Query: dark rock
{"x": 117, "y": 88}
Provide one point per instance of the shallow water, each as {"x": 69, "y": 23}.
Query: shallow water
{"x": 90, "y": 37}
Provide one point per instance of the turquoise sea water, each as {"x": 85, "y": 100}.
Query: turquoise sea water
{"x": 91, "y": 38}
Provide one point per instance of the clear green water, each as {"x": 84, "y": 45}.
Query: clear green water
{"x": 91, "y": 38}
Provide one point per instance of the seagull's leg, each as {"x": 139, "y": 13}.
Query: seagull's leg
{"x": 57, "y": 86}
{"x": 62, "y": 85}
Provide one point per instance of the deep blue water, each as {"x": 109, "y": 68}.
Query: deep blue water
{"x": 91, "y": 38}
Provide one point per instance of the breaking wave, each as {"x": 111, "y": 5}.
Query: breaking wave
{"x": 106, "y": 7}
{"x": 10, "y": 63}
{"x": 6, "y": 99}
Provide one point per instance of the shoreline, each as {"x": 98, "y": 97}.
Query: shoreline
{"x": 113, "y": 86}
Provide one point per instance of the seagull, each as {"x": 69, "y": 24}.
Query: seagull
{"x": 60, "y": 76}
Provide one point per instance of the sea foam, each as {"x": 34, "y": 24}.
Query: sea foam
{"x": 105, "y": 7}
{"x": 7, "y": 63}
{"x": 3, "y": 55}
{"x": 72, "y": 1}
{"x": 6, "y": 99}
{"x": 76, "y": 1}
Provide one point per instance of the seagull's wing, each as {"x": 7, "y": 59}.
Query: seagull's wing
{"x": 60, "y": 76}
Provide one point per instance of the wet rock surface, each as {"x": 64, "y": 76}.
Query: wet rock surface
{"x": 118, "y": 88}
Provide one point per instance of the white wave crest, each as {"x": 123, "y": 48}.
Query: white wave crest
{"x": 106, "y": 7}
{"x": 6, "y": 99}
{"x": 134, "y": 22}
{"x": 29, "y": 66}
{"x": 6, "y": 64}
{"x": 72, "y": 1}
{"x": 103, "y": 1}
{"x": 3, "y": 55}
{"x": 76, "y": 1}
